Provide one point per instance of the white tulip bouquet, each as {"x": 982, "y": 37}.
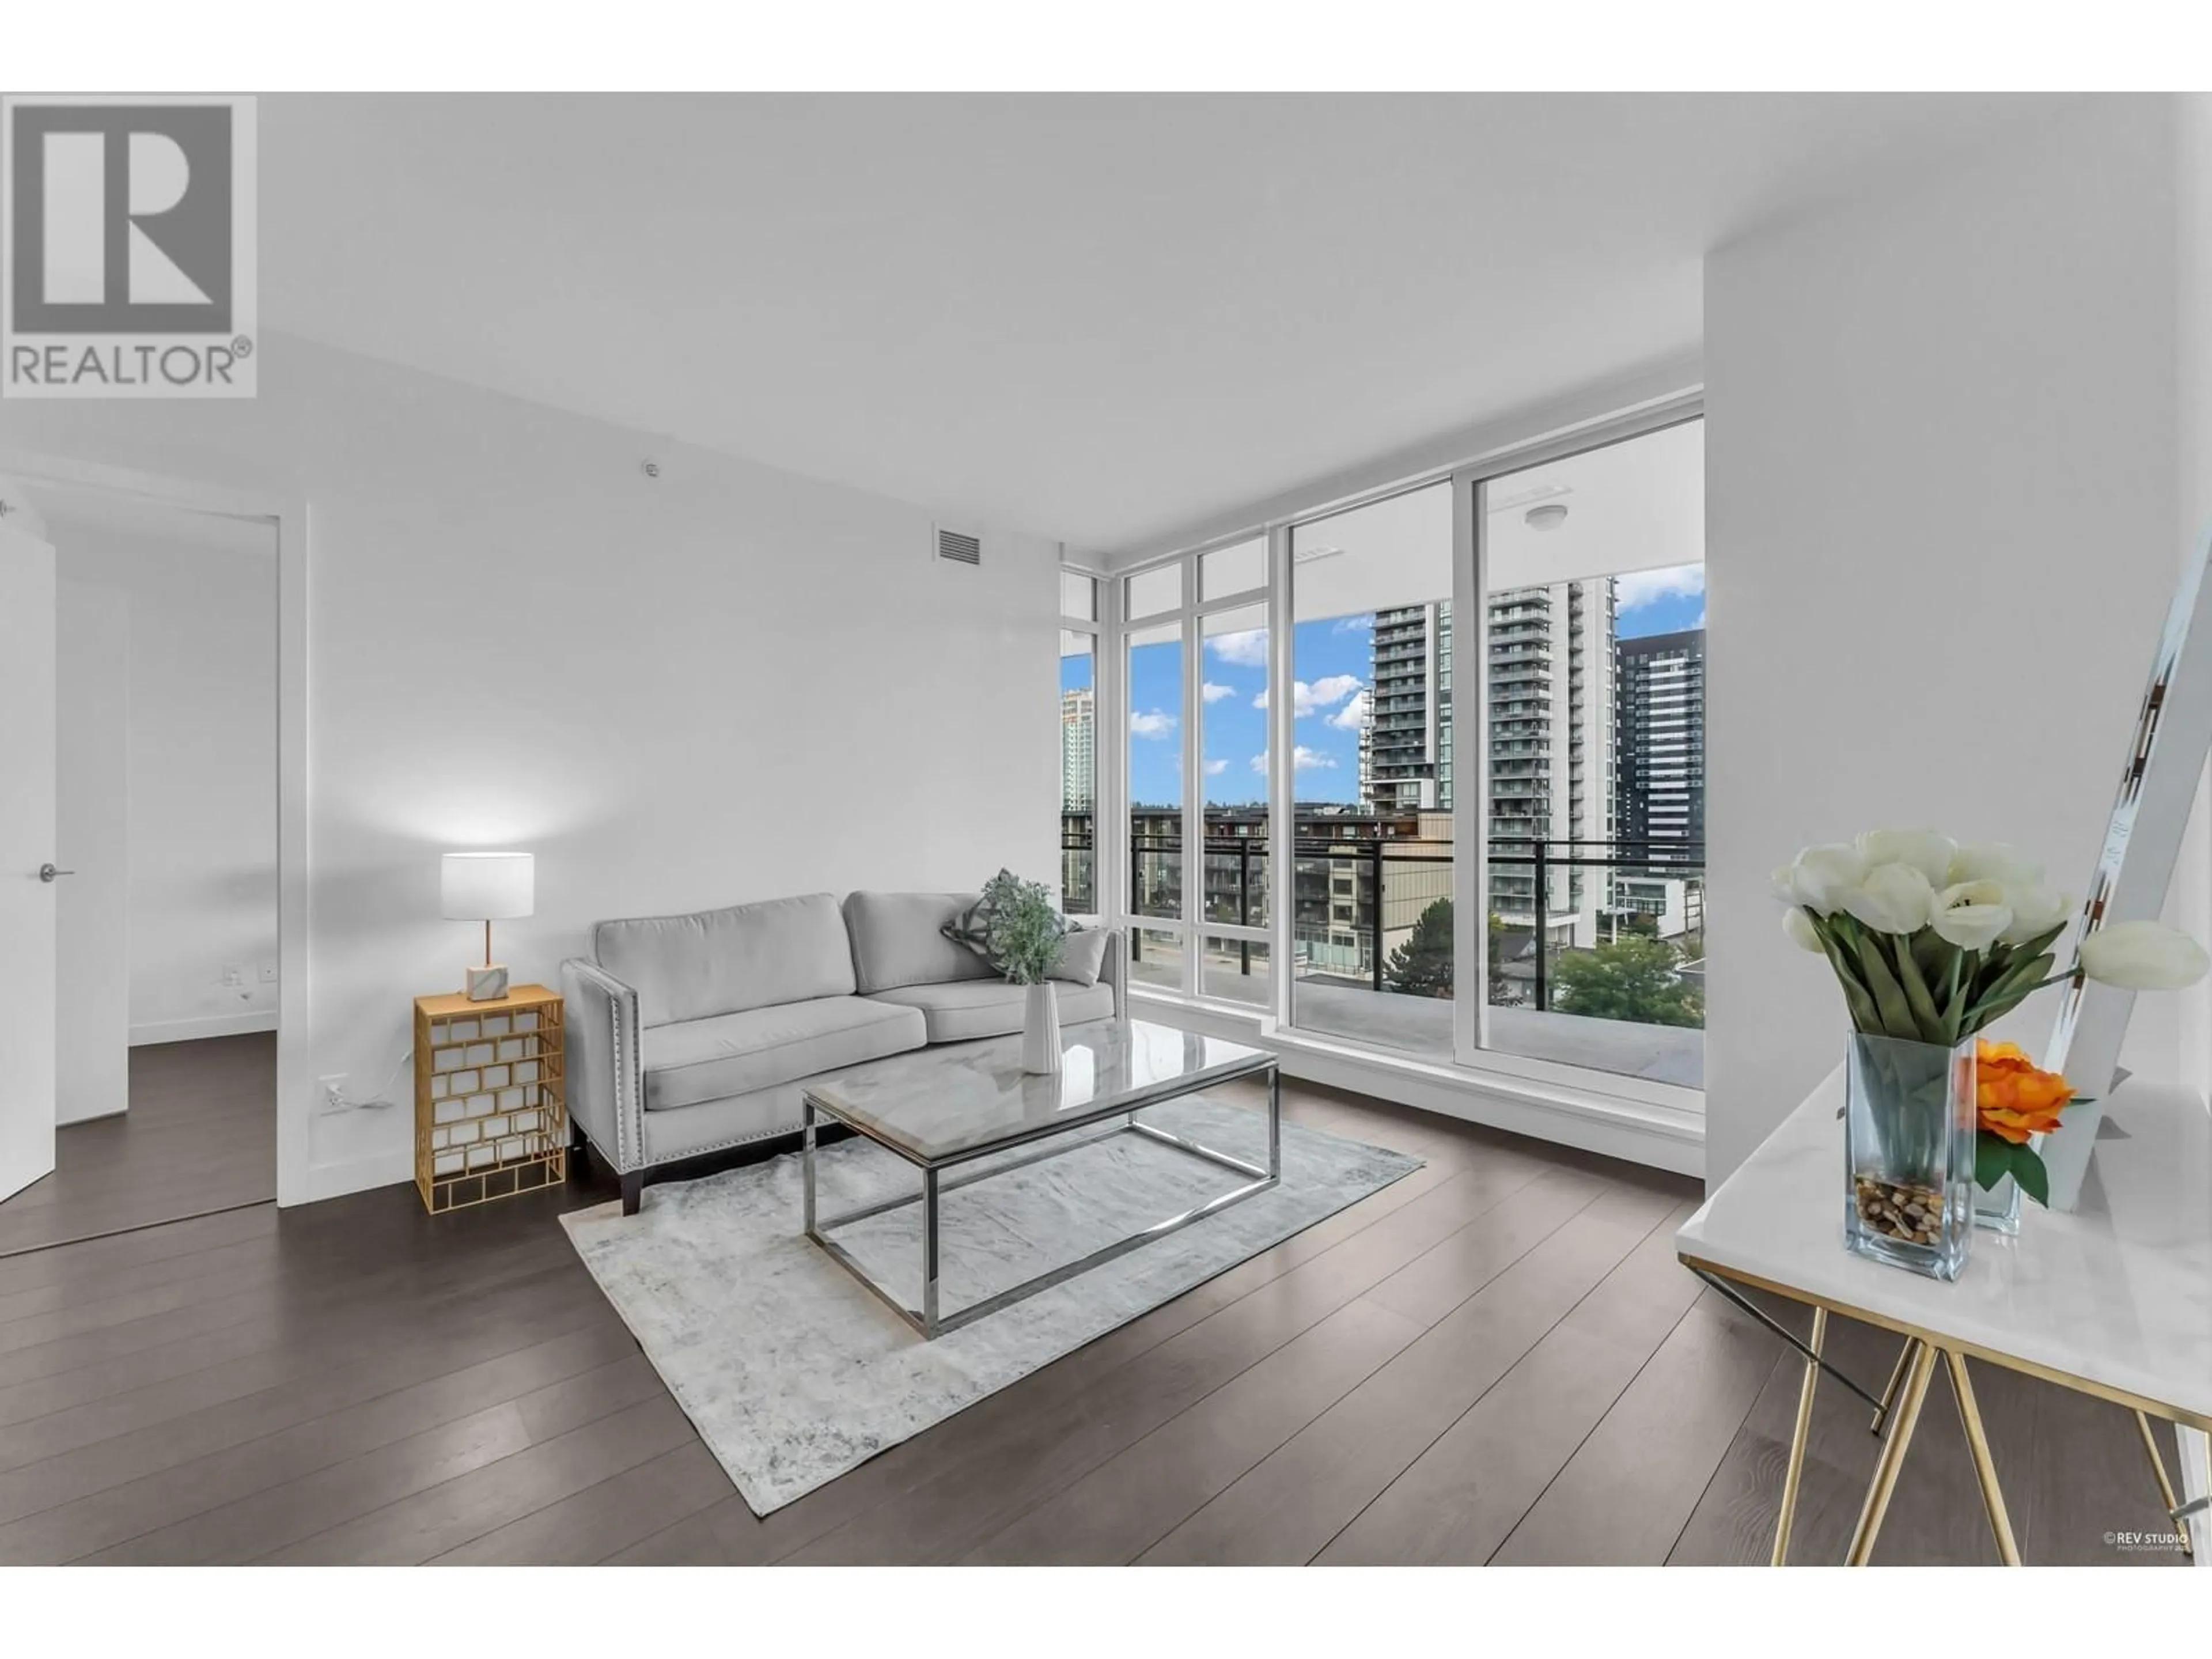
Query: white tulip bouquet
{"x": 1933, "y": 941}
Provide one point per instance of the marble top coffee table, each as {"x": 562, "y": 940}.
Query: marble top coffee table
{"x": 941, "y": 1107}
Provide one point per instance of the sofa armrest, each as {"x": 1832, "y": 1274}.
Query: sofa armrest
{"x": 606, "y": 1086}
{"x": 1116, "y": 971}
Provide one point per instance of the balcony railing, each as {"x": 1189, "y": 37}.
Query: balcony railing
{"x": 1356, "y": 903}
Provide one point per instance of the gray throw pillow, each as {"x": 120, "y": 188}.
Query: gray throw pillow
{"x": 972, "y": 926}
{"x": 1082, "y": 955}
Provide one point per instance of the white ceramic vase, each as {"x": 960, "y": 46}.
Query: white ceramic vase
{"x": 1041, "y": 1031}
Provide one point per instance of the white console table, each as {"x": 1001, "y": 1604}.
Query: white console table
{"x": 2113, "y": 1299}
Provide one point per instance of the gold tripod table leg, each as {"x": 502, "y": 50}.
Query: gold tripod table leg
{"x": 1796, "y": 1473}
{"x": 2165, "y": 1482}
{"x": 1917, "y": 1376}
{"x": 1896, "y": 1376}
{"x": 1985, "y": 1472}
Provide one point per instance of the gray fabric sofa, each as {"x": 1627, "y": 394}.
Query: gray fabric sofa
{"x": 693, "y": 1035}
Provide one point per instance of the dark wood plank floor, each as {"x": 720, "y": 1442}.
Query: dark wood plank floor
{"x": 200, "y": 1136}
{"x": 1496, "y": 1358}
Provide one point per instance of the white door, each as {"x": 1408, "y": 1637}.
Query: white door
{"x": 92, "y": 815}
{"x": 27, "y": 842}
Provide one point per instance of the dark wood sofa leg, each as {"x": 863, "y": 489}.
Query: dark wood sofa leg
{"x": 633, "y": 1185}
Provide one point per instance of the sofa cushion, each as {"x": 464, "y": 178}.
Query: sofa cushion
{"x": 1002, "y": 895}
{"x": 966, "y": 1009}
{"x": 1082, "y": 955}
{"x": 698, "y": 1060}
{"x": 724, "y": 962}
{"x": 899, "y": 940}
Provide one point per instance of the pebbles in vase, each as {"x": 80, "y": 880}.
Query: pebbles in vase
{"x": 1913, "y": 1215}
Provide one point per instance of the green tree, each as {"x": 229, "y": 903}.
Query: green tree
{"x": 1422, "y": 966}
{"x": 1631, "y": 978}
{"x": 1497, "y": 986}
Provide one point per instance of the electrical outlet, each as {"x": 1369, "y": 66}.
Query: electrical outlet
{"x": 233, "y": 974}
{"x": 333, "y": 1092}
{"x": 268, "y": 973}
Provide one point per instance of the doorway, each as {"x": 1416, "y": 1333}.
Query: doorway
{"x": 164, "y": 889}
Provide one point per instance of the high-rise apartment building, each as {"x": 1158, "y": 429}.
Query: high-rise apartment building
{"x": 1405, "y": 753}
{"x": 1078, "y": 750}
{"x": 1551, "y": 737}
{"x": 1550, "y": 752}
{"x": 1661, "y": 703}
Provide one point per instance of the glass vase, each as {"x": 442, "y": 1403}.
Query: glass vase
{"x": 1909, "y": 1124}
{"x": 1997, "y": 1207}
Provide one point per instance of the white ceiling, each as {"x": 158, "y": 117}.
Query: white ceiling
{"x": 1100, "y": 318}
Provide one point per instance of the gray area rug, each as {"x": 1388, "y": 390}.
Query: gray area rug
{"x": 794, "y": 1373}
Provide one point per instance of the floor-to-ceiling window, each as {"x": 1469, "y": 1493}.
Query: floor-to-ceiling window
{"x": 1232, "y": 757}
{"x": 1456, "y": 812}
{"x": 1593, "y": 589}
{"x": 1195, "y": 735}
{"x": 1373, "y": 958}
{"x": 1078, "y": 744}
{"x": 1153, "y": 603}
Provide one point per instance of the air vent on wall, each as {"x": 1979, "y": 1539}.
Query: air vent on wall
{"x": 959, "y": 546}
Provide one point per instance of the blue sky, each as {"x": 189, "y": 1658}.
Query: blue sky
{"x": 1332, "y": 662}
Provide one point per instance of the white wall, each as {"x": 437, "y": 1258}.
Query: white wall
{"x": 727, "y": 683}
{"x": 201, "y": 672}
{"x": 1942, "y": 493}
{"x": 92, "y": 839}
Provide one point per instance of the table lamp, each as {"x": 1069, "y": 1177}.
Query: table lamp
{"x": 487, "y": 887}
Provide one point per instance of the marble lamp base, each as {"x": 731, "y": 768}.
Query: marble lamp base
{"x": 488, "y": 983}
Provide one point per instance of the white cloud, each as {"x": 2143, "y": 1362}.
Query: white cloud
{"x": 1247, "y": 650}
{"x": 1324, "y": 693}
{"x": 1154, "y": 725}
{"x": 1302, "y": 759}
{"x": 1216, "y": 693}
{"x": 1353, "y": 714}
{"x": 1359, "y": 624}
{"x": 1214, "y": 768}
{"x": 1641, "y": 587}
{"x": 1700, "y": 621}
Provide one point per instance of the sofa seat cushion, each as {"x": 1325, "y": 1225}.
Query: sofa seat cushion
{"x": 697, "y": 1059}
{"x": 971, "y": 1008}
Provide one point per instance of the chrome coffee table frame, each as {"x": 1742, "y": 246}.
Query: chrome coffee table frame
{"x": 927, "y": 1319}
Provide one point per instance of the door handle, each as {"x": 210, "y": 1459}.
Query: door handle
{"x": 47, "y": 872}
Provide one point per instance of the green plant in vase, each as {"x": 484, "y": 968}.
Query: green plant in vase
{"x": 1024, "y": 930}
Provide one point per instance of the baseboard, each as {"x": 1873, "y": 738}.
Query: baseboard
{"x": 358, "y": 1174}
{"x": 203, "y": 1025}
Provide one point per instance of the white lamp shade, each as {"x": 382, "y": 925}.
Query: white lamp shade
{"x": 487, "y": 886}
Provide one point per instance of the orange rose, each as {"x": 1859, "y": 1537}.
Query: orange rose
{"x": 2015, "y": 1099}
